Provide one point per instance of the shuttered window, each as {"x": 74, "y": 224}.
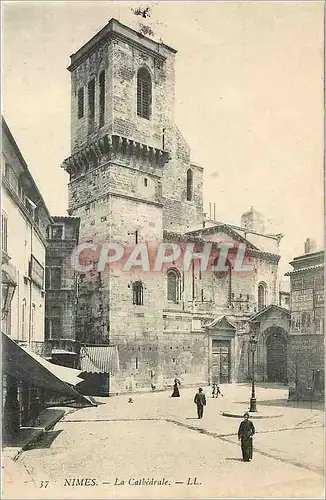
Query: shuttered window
{"x": 173, "y": 286}
{"x": 81, "y": 103}
{"x": 144, "y": 93}
{"x": 101, "y": 98}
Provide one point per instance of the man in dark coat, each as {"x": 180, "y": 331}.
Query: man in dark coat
{"x": 245, "y": 433}
{"x": 200, "y": 400}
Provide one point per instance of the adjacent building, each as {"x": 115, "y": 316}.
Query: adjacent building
{"x": 132, "y": 181}
{"x": 28, "y": 380}
{"x": 24, "y": 222}
{"x": 306, "y": 345}
{"x": 61, "y": 290}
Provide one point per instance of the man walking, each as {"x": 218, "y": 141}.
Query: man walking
{"x": 245, "y": 433}
{"x": 200, "y": 400}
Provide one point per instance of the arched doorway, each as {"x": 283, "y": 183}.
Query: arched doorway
{"x": 276, "y": 345}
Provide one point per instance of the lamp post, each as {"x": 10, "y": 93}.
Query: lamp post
{"x": 253, "y": 345}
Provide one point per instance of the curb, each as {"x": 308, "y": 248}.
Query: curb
{"x": 252, "y": 416}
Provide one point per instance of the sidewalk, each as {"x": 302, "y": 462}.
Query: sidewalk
{"x": 11, "y": 469}
{"x": 27, "y": 435}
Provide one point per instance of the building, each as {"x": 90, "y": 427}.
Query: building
{"x": 24, "y": 221}
{"x": 61, "y": 290}
{"x": 28, "y": 379}
{"x": 132, "y": 181}
{"x": 306, "y": 346}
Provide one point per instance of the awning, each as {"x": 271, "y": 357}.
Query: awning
{"x": 24, "y": 365}
{"x": 99, "y": 359}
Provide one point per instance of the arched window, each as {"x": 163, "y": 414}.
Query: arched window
{"x": 144, "y": 93}
{"x": 173, "y": 285}
{"x": 261, "y": 296}
{"x": 137, "y": 293}
{"x": 189, "y": 184}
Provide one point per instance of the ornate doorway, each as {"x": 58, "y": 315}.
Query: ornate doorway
{"x": 220, "y": 361}
{"x": 276, "y": 355}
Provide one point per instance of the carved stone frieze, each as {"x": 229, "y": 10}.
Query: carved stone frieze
{"x": 117, "y": 147}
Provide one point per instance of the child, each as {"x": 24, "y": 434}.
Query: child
{"x": 217, "y": 391}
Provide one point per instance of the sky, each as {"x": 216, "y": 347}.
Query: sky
{"x": 249, "y": 100}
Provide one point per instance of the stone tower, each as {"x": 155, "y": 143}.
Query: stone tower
{"x": 130, "y": 178}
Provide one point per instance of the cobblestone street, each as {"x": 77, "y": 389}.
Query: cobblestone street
{"x": 112, "y": 447}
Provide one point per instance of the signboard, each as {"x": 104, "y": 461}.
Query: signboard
{"x": 36, "y": 272}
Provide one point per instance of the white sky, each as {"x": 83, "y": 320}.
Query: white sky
{"x": 249, "y": 82}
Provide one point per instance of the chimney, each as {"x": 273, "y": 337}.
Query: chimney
{"x": 310, "y": 246}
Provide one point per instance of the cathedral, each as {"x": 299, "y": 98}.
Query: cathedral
{"x": 132, "y": 181}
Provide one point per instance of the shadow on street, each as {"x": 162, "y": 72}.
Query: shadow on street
{"x": 45, "y": 441}
{"x": 316, "y": 405}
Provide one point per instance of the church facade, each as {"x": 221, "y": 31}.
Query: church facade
{"x": 132, "y": 181}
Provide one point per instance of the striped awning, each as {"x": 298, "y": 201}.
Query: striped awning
{"x": 99, "y": 359}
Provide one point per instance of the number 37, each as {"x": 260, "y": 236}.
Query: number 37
{"x": 44, "y": 484}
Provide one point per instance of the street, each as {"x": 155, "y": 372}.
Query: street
{"x": 155, "y": 447}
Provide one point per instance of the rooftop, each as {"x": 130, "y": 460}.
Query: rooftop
{"x": 116, "y": 30}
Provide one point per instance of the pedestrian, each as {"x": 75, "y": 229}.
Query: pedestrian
{"x": 245, "y": 434}
{"x": 176, "y": 392}
{"x": 213, "y": 390}
{"x": 217, "y": 391}
{"x": 200, "y": 400}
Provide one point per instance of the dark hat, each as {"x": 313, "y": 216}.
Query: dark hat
{"x": 246, "y": 414}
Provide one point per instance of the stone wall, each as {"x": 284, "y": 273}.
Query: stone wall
{"x": 305, "y": 356}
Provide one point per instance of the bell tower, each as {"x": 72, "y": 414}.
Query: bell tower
{"x": 122, "y": 83}
{"x": 122, "y": 133}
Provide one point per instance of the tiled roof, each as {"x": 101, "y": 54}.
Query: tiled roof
{"x": 302, "y": 269}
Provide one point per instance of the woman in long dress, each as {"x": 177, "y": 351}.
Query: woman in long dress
{"x": 176, "y": 392}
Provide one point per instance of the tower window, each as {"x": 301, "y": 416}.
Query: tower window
{"x": 145, "y": 182}
{"x": 144, "y": 93}
{"x": 101, "y": 98}
{"x": 173, "y": 285}
{"x": 91, "y": 105}
{"x": 137, "y": 293}
{"x": 261, "y": 296}
{"x": 81, "y": 103}
{"x": 189, "y": 184}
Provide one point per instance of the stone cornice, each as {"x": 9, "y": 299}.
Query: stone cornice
{"x": 117, "y": 195}
{"x": 194, "y": 237}
{"x": 109, "y": 148}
